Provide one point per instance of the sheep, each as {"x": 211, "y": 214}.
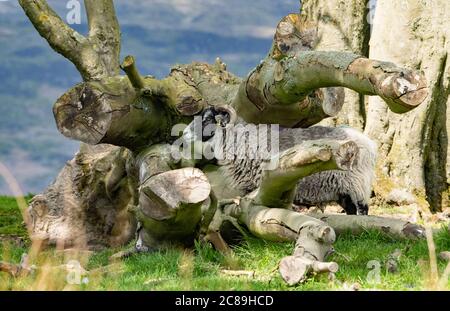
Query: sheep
{"x": 350, "y": 189}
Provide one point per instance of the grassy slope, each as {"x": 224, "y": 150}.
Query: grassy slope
{"x": 200, "y": 269}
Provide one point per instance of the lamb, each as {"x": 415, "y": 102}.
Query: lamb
{"x": 350, "y": 189}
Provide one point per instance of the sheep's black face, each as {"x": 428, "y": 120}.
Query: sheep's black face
{"x": 211, "y": 119}
{"x": 205, "y": 127}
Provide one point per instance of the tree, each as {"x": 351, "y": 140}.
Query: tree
{"x": 295, "y": 86}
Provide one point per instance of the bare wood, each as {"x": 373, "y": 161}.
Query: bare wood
{"x": 170, "y": 206}
{"x": 9, "y": 268}
{"x": 357, "y": 224}
{"x": 179, "y": 187}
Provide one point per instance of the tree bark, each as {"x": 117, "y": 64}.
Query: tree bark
{"x": 416, "y": 34}
{"x": 95, "y": 56}
{"x": 90, "y": 203}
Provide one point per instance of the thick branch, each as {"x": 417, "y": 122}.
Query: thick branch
{"x": 278, "y": 90}
{"x": 357, "y": 224}
{"x": 62, "y": 38}
{"x": 133, "y": 111}
{"x": 288, "y": 81}
{"x": 112, "y": 111}
{"x": 170, "y": 206}
{"x": 278, "y": 184}
{"x": 129, "y": 66}
{"x": 104, "y": 29}
{"x": 401, "y": 88}
{"x": 95, "y": 57}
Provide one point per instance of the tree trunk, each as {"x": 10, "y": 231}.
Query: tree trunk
{"x": 417, "y": 35}
{"x": 90, "y": 203}
{"x": 341, "y": 26}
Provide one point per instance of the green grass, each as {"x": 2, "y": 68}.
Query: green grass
{"x": 11, "y": 222}
{"x": 200, "y": 269}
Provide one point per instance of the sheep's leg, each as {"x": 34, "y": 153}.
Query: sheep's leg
{"x": 362, "y": 209}
{"x": 347, "y": 204}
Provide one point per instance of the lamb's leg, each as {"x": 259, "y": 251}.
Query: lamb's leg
{"x": 347, "y": 204}
{"x": 363, "y": 208}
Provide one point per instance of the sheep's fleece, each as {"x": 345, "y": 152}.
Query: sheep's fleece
{"x": 351, "y": 189}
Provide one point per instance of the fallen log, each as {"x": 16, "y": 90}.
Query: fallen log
{"x": 357, "y": 224}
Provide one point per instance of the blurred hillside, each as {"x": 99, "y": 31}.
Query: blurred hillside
{"x": 160, "y": 33}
